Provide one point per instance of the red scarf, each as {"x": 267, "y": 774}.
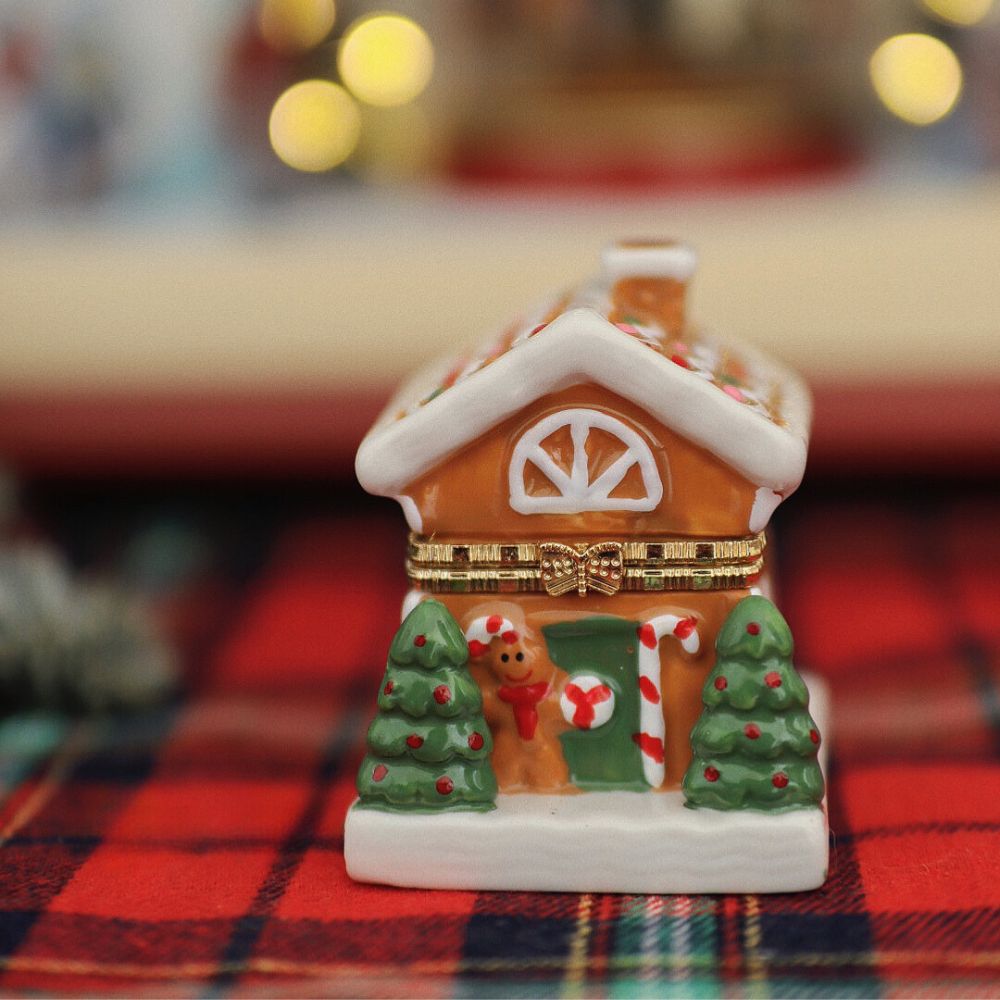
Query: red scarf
{"x": 525, "y": 700}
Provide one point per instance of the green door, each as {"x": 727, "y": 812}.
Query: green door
{"x": 605, "y": 757}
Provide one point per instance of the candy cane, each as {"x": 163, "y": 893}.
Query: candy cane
{"x": 650, "y": 738}
{"x": 483, "y": 630}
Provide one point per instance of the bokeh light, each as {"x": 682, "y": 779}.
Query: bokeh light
{"x": 917, "y": 77}
{"x": 386, "y": 59}
{"x": 295, "y": 25}
{"x": 314, "y": 125}
{"x": 963, "y": 12}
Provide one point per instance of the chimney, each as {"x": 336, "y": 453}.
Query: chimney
{"x": 648, "y": 281}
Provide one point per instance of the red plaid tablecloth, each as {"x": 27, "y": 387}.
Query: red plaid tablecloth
{"x": 199, "y": 852}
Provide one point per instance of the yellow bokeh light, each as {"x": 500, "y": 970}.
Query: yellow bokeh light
{"x": 917, "y": 77}
{"x": 314, "y": 125}
{"x": 386, "y": 59}
{"x": 295, "y": 25}
{"x": 963, "y": 12}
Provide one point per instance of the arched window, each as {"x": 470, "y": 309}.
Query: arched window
{"x": 570, "y": 483}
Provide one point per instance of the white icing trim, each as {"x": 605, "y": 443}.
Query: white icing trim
{"x": 765, "y": 502}
{"x": 576, "y": 492}
{"x": 410, "y": 511}
{"x": 651, "y": 722}
{"x": 765, "y": 587}
{"x": 412, "y": 599}
{"x": 581, "y": 346}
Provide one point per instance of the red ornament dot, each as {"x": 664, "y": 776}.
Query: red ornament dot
{"x": 442, "y": 694}
{"x": 780, "y": 780}
{"x": 388, "y": 687}
{"x": 721, "y": 683}
{"x": 476, "y": 741}
{"x": 711, "y": 774}
{"x": 420, "y": 640}
{"x": 814, "y": 736}
{"x": 414, "y": 741}
{"x": 445, "y": 785}
{"x": 753, "y": 628}
{"x": 773, "y": 679}
{"x": 751, "y": 731}
{"x": 380, "y": 772}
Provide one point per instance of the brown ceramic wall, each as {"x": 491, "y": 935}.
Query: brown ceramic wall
{"x": 466, "y": 496}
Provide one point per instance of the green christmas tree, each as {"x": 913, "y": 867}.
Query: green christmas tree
{"x": 429, "y": 746}
{"x": 755, "y": 744}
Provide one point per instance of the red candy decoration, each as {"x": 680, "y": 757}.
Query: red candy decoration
{"x": 651, "y": 746}
{"x": 445, "y": 785}
{"x": 685, "y": 627}
{"x": 388, "y": 687}
{"x": 442, "y": 694}
{"x": 648, "y": 690}
{"x": 420, "y": 640}
{"x": 753, "y": 628}
{"x": 780, "y": 780}
{"x": 721, "y": 683}
{"x": 773, "y": 679}
{"x": 711, "y": 773}
{"x": 751, "y": 731}
{"x": 380, "y": 772}
{"x": 647, "y": 635}
{"x": 476, "y": 741}
{"x": 814, "y": 736}
{"x": 414, "y": 741}
{"x": 583, "y": 717}
{"x": 477, "y": 648}
{"x": 493, "y": 624}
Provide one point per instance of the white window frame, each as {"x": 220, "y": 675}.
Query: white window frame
{"x": 576, "y": 493}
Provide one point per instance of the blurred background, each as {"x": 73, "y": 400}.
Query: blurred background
{"x": 228, "y": 229}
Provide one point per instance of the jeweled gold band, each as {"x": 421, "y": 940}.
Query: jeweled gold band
{"x": 603, "y": 567}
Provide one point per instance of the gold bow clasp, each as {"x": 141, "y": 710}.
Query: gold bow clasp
{"x": 594, "y": 567}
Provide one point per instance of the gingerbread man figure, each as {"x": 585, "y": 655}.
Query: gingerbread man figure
{"x": 521, "y": 691}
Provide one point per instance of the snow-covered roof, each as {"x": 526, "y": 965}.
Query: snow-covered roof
{"x": 747, "y": 409}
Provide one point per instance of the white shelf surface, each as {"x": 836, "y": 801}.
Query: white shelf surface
{"x": 848, "y": 282}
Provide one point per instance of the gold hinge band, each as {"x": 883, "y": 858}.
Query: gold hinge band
{"x": 604, "y": 567}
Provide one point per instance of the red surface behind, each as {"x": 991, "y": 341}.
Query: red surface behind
{"x": 928, "y": 428}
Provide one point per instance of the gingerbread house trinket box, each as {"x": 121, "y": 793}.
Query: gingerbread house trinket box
{"x": 590, "y": 689}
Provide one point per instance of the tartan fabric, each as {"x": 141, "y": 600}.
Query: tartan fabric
{"x": 198, "y": 852}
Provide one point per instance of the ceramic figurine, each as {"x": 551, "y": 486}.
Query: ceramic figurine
{"x": 590, "y": 690}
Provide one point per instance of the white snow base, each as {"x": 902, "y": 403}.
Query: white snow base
{"x": 640, "y": 842}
